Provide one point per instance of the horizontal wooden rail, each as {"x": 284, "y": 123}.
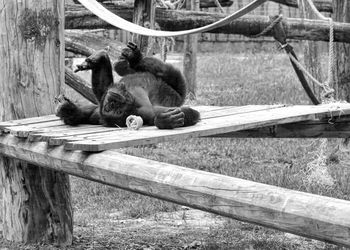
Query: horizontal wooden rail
{"x": 321, "y": 5}
{"x": 172, "y": 20}
{"x": 305, "y": 214}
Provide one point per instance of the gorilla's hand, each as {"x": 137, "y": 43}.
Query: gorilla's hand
{"x": 170, "y": 118}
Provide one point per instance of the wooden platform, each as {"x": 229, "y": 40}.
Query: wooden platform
{"x": 215, "y": 121}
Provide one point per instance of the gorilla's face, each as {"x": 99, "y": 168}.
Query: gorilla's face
{"x": 117, "y": 104}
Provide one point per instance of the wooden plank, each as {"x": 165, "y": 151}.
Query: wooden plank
{"x": 27, "y": 121}
{"x": 217, "y": 125}
{"x": 226, "y": 111}
{"x": 61, "y": 131}
{"x": 58, "y": 138}
{"x": 207, "y": 112}
{"x": 339, "y": 128}
{"x": 25, "y": 130}
{"x": 305, "y": 214}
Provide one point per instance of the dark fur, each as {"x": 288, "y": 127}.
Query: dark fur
{"x": 149, "y": 88}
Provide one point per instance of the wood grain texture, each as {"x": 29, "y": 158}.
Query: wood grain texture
{"x": 206, "y": 127}
{"x": 190, "y": 56}
{"x": 328, "y": 120}
{"x": 36, "y": 200}
{"x": 342, "y": 53}
{"x": 305, "y": 214}
{"x": 144, "y": 15}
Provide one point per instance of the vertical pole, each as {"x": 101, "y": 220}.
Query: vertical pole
{"x": 190, "y": 54}
{"x": 144, "y": 15}
{"x": 36, "y": 201}
{"x": 312, "y": 58}
{"x": 341, "y": 13}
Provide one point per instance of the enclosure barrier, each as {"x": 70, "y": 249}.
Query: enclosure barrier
{"x": 305, "y": 214}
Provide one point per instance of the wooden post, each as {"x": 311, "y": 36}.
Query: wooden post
{"x": 144, "y": 15}
{"x": 190, "y": 55}
{"x": 312, "y": 57}
{"x": 341, "y": 13}
{"x": 36, "y": 201}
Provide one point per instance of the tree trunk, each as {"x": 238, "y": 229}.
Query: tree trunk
{"x": 190, "y": 55}
{"x": 341, "y": 13}
{"x": 36, "y": 200}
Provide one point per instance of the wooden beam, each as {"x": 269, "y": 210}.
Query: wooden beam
{"x": 305, "y": 214}
{"x": 321, "y": 5}
{"x": 173, "y": 20}
{"x": 190, "y": 55}
{"x": 80, "y": 85}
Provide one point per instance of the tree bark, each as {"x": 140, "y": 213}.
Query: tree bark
{"x": 341, "y": 13}
{"x": 172, "y": 20}
{"x": 36, "y": 200}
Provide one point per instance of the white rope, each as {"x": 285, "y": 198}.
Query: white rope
{"x": 327, "y": 90}
{"x": 121, "y": 23}
{"x": 331, "y": 39}
{"x": 134, "y": 122}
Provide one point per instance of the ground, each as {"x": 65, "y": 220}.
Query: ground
{"x": 108, "y": 218}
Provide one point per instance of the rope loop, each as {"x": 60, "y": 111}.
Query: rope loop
{"x": 134, "y": 122}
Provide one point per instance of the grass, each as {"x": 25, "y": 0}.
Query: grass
{"x": 223, "y": 79}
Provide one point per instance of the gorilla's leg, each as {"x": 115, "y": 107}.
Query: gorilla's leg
{"x": 128, "y": 59}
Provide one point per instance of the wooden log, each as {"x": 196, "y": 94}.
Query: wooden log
{"x": 305, "y": 214}
{"x": 203, "y": 3}
{"x": 321, "y": 5}
{"x": 212, "y": 4}
{"x": 313, "y": 59}
{"x": 172, "y": 20}
{"x": 144, "y": 15}
{"x": 36, "y": 200}
{"x": 85, "y": 43}
{"x": 190, "y": 55}
{"x": 341, "y": 67}
{"x": 80, "y": 85}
